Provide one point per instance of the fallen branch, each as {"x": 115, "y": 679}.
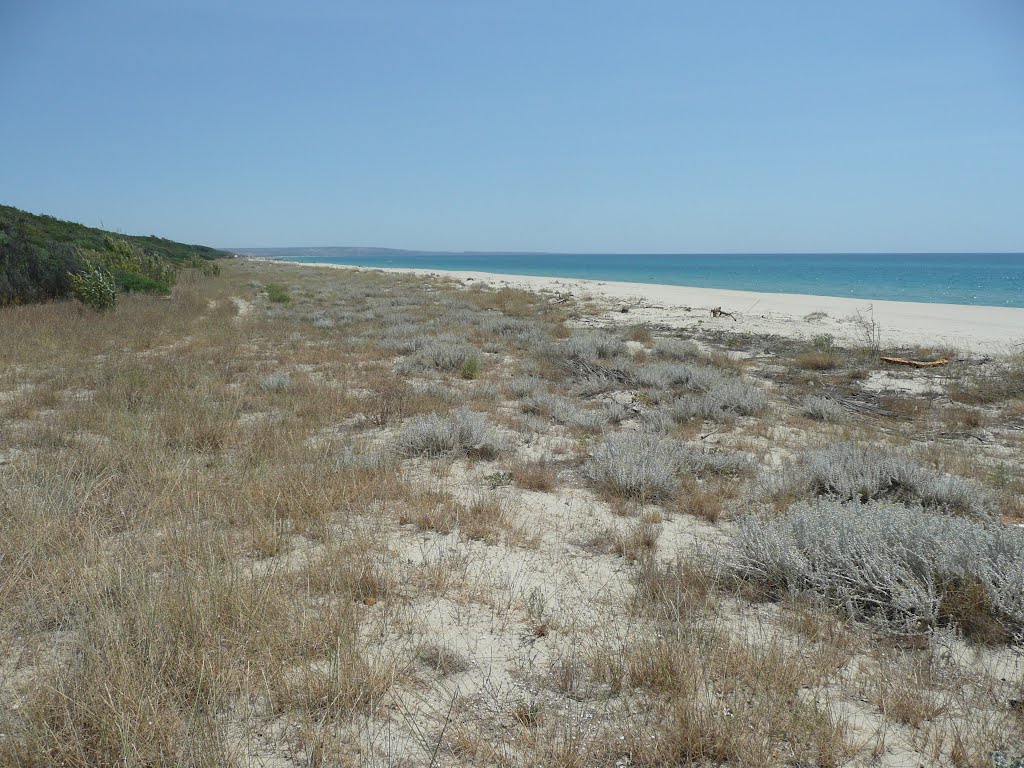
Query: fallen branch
{"x": 915, "y": 363}
{"x": 719, "y": 312}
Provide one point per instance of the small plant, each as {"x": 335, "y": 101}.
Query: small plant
{"x": 498, "y": 479}
{"x": 471, "y": 368}
{"x": 276, "y": 382}
{"x": 731, "y": 399}
{"x": 641, "y": 334}
{"x": 677, "y": 349}
{"x": 95, "y": 288}
{"x": 818, "y": 360}
{"x": 823, "y": 409}
{"x": 278, "y": 294}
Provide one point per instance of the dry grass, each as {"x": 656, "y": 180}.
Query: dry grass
{"x": 534, "y": 475}
{"x": 817, "y": 361}
{"x": 236, "y": 530}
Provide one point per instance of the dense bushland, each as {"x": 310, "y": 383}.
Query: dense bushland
{"x": 39, "y": 255}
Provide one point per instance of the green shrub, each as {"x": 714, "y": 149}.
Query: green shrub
{"x": 471, "y": 368}
{"x": 132, "y": 282}
{"x": 206, "y": 267}
{"x": 278, "y": 294}
{"x": 95, "y": 288}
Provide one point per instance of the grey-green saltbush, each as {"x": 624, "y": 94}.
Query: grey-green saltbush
{"x": 885, "y": 563}
{"x": 441, "y": 355}
{"x": 458, "y": 432}
{"x": 848, "y": 471}
{"x": 823, "y": 409}
{"x": 648, "y": 465}
{"x": 276, "y": 382}
{"x": 729, "y": 399}
{"x": 677, "y": 349}
{"x": 594, "y": 345}
{"x": 567, "y": 412}
{"x": 636, "y": 465}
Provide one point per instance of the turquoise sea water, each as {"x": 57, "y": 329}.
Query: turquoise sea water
{"x": 961, "y": 278}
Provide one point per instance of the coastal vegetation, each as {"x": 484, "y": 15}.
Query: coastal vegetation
{"x": 395, "y": 520}
{"x": 44, "y": 259}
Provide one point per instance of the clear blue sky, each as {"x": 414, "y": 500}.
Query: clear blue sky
{"x": 597, "y": 125}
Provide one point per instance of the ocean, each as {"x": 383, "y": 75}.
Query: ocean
{"x": 948, "y": 278}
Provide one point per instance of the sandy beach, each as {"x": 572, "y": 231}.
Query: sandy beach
{"x": 959, "y": 327}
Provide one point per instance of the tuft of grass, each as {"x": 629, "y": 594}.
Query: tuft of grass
{"x": 640, "y": 333}
{"x": 818, "y": 360}
{"x": 535, "y": 475}
{"x": 442, "y": 659}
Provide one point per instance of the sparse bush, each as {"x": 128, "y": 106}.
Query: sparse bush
{"x": 823, "y": 409}
{"x": 700, "y": 378}
{"x": 847, "y": 471}
{"x": 535, "y": 476}
{"x": 640, "y": 333}
{"x": 525, "y": 386}
{"x": 995, "y": 382}
{"x": 899, "y": 567}
{"x": 276, "y": 382}
{"x": 458, "y": 432}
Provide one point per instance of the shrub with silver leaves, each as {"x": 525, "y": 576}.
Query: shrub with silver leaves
{"x": 445, "y": 355}
{"x": 848, "y": 471}
{"x": 641, "y": 465}
{"x": 648, "y": 465}
{"x": 568, "y": 412}
{"x": 823, "y": 409}
{"x": 730, "y": 399}
{"x": 677, "y": 349}
{"x": 594, "y": 345}
{"x": 438, "y": 434}
{"x": 276, "y": 382}
{"x": 889, "y": 564}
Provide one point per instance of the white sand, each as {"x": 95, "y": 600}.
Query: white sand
{"x": 958, "y": 327}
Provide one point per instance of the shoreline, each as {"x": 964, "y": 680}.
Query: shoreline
{"x": 962, "y": 327}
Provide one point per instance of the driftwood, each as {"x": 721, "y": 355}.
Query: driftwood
{"x": 915, "y": 363}
{"x": 719, "y": 312}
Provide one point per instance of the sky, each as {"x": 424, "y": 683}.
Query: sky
{"x": 583, "y": 126}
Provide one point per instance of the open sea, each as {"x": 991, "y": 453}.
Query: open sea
{"x": 948, "y": 278}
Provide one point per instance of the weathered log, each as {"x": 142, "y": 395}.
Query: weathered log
{"x": 915, "y": 363}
